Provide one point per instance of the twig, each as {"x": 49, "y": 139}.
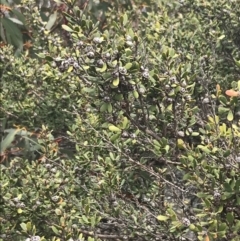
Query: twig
{"x": 149, "y": 170}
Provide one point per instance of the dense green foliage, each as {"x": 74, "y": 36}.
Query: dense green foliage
{"x": 114, "y": 121}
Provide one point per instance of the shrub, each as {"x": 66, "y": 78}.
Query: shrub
{"x": 128, "y": 132}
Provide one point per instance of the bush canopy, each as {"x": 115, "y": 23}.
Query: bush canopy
{"x": 120, "y": 120}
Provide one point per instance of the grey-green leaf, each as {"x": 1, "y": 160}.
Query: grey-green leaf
{"x": 52, "y": 20}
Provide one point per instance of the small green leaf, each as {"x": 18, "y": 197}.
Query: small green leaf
{"x": 167, "y": 148}
{"x": 222, "y": 227}
{"x": 112, "y": 156}
{"x": 24, "y": 226}
{"x": 90, "y": 239}
{"x": 135, "y": 94}
{"x": 58, "y": 211}
{"x": 156, "y": 143}
{"x": 227, "y": 187}
{"x": 204, "y": 149}
{"x": 238, "y": 200}
{"x": 114, "y": 128}
{"x": 222, "y": 110}
{"x": 52, "y": 20}
{"x": 103, "y": 69}
{"x": 85, "y": 67}
{"x": 67, "y": 28}
{"x": 171, "y": 52}
{"x": 176, "y": 225}
{"x": 124, "y": 19}
{"x": 29, "y": 226}
{"x": 118, "y": 97}
{"x": 104, "y": 107}
{"x": 221, "y": 37}
{"x": 172, "y": 92}
{"x": 181, "y": 144}
{"x": 128, "y": 66}
{"x": 194, "y": 134}
{"x": 226, "y": 153}
{"x": 223, "y": 99}
{"x": 115, "y": 82}
{"x": 87, "y": 209}
{"x": 125, "y": 122}
{"x": 49, "y": 58}
{"x": 114, "y": 137}
{"x": 230, "y": 116}
{"x": 223, "y": 129}
{"x": 230, "y": 218}
{"x": 192, "y": 227}
{"x": 162, "y": 218}
{"x": 114, "y": 63}
{"x": 135, "y": 38}
{"x": 88, "y": 90}
{"x": 237, "y": 185}
{"x": 41, "y": 55}
{"x": 109, "y": 108}
{"x": 70, "y": 69}
{"x": 93, "y": 221}
{"x": 19, "y": 210}
{"x": 202, "y": 195}
{"x": 220, "y": 209}
{"x": 84, "y": 218}
{"x": 55, "y": 230}
{"x": 237, "y": 225}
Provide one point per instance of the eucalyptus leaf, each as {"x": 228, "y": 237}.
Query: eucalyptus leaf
{"x": 16, "y": 21}
{"x": 6, "y": 142}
